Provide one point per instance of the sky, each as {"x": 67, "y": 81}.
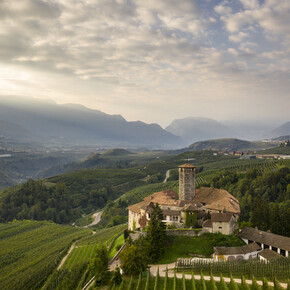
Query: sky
{"x": 153, "y": 60}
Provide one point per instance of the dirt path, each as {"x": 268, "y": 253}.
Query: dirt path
{"x": 66, "y": 256}
{"x": 170, "y": 267}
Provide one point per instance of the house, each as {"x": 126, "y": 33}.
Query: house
{"x": 246, "y": 252}
{"x": 268, "y": 255}
{"x": 224, "y": 223}
{"x": 266, "y": 240}
{"x": 188, "y": 209}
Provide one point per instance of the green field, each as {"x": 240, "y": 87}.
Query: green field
{"x": 118, "y": 242}
{"x": 30, "y": 251}
{"x": 84, "y": 249}
{"x": 186, "y": 247}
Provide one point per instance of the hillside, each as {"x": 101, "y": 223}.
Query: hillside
{"x": 5, "y": 181}
{"x": 116, "y": 152}
{"x": 282, "y": 130}
{"x": 199, "y": 129}
{"x": 230, "y": 144}
{"x": 277, "y": 150}
{"x": 281, "y": 138}
{"x": 76, "y": 125}
{"x": 65, "y": 198}
{"x": 31, "y": 251}
{"x": 21, "y": 166}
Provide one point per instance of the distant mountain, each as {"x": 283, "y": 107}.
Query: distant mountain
{"x": 198, "y": 129}
{"x": 280, "y": 131}
{"x": 77, "y": 125}
{"x": 230, "y": 144}
{"x": 14, "y": 131}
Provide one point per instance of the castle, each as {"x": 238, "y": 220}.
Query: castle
{"x": 215, "y": 210}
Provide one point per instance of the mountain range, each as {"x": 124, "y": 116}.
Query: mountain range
{"x": 72, "y": 124}
{"x": 45, "y": 122}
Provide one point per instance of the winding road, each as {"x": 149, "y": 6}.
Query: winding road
{"x": 166, "y": 176}
{"x": 97, "y": 217}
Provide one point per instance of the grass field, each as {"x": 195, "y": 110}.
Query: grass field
{"x": 84, "y": 249}
{"x": 186, "y": 247}
{"x": 117, "y": 244}
{"x": 31, "y": 250}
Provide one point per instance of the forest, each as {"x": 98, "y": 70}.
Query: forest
{"x": 264, "y": 197}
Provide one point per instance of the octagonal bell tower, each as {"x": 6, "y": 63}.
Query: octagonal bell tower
{"x": 186, "y": 181}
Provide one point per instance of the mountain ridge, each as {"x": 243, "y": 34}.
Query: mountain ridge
{"x": 78, "y": 125}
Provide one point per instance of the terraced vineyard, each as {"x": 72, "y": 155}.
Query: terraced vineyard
{"x": 206, "y": 176}
{"x": 31, "y": 250}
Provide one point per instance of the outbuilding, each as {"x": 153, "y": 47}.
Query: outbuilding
{"x": 246, "y": 252}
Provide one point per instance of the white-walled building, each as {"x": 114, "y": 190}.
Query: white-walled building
{"x": 266, "y": 240}
{"x": 246, "y": 252}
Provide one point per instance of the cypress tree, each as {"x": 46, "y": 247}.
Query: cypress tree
{"x": 244, "y": 283}
{"x": 156, "y": 235}
{"x": 193, "y": 282}
{"x": 183, "y": 282}
{"x": 147, "y": 285}
{"x": 265, "y": 284}
{"x": 121, "y": 287}
{"x": 165, "y": 279}
{"x": 139, "y": 282}
{"x": 203, "y": 285}
{"x": 130, "y": 286}
{"x": 212, "y": 283}
{"x": 255, "y": 285}
{"x": 156, "y": 280}
{"x": 223, "y": 284}
{"x": 233, "y": 284}
{"x": 174, "y": 281}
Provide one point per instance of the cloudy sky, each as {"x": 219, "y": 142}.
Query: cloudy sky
{"x": 150, "y": 60}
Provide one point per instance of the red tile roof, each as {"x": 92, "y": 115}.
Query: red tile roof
{"x": 186, "y": 165}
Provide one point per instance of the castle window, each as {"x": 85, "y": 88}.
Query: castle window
{"x": 174, "y": 218}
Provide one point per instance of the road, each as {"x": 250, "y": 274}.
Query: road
{"x": 166, "y": 176}
{"x": 97, "y": 217}
{"x": 162, "y": 270}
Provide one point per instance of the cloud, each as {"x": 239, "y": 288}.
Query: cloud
{"x": 125, "y": 53}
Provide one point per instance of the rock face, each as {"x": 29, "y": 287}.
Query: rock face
{"x": 186, "y": 182}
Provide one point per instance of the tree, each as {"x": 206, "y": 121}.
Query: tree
{"x": 117, "y": 277}
{"x": 99, "y": 266}
{"x": 133, "y": 260}
{"x": 156, "y": 234}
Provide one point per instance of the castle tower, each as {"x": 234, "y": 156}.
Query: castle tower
{"x": 186, "y": 181}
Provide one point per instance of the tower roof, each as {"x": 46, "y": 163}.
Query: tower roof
{"x": 186, "y": 165}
